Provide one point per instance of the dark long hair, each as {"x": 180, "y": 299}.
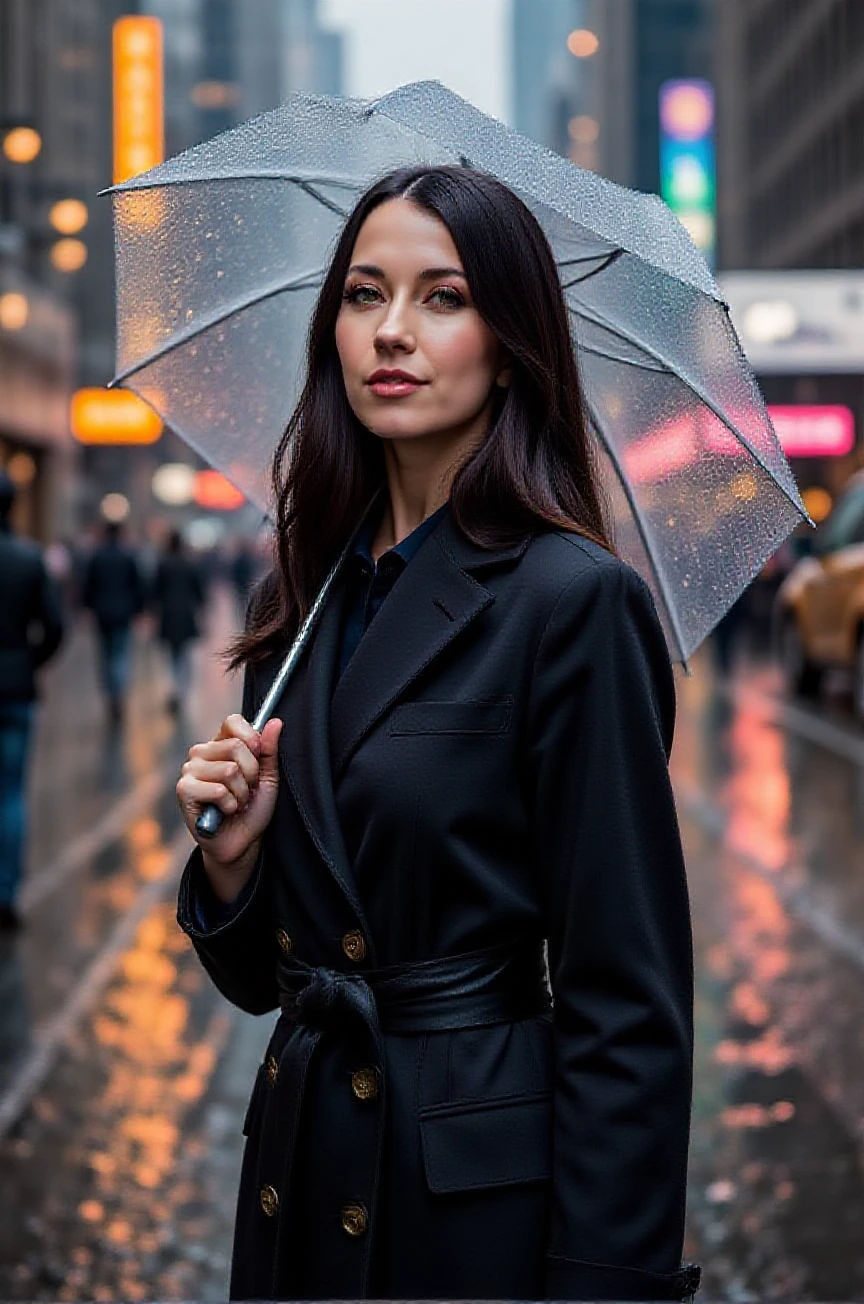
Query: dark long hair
{"x": 536, "y": 467}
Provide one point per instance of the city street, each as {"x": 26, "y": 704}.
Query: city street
{"x": 125, "y": 1076}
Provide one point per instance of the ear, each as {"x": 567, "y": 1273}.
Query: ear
{"x": 504, "y": 377}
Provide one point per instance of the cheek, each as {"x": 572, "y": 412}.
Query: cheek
{"x": 466, "y": 357}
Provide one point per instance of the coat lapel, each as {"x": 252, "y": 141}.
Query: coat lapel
{"x": 435, "y": 599}
{"x": 429, "y": 607}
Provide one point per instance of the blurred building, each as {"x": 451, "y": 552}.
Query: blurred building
{"x": 224, "y": 60}
{"x": 642, "y": 44}
{"x": 790, "y": 80}
{"x": 49, "y": 124}
{"x": 545, "y": 75}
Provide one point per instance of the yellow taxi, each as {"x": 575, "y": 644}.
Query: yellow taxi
{"x": 819, "y": 611}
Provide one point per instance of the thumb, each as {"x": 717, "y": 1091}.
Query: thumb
{"x": 268, "y": 756}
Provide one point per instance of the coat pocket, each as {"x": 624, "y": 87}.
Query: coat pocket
{"x": 490, "y": 716}
{"x": 500, "y": 1142}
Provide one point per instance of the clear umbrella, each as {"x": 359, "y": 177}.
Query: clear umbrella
{"x": 221, "y": 250}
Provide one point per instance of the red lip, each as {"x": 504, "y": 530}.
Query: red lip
{"x": 384, "y": 374}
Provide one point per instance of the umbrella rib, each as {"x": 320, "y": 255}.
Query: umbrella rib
{"x": 641, "y": 365}
{"x": 662, "y": 583}
{"x": 306, "y": 281}
{"x": 310, "y": 190}
{"x": 299, "y": 178}
{"x": 607, "y": 261}
{"x": 599, "y": 320}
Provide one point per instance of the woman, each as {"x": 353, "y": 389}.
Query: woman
{"x": 470, "y": 762}
{"x": 176, "y": 598}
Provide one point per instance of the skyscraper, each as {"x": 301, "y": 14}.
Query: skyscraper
{"x": 791, "y": 133}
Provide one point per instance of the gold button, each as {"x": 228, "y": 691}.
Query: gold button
{"x": 355, "y": 1219}
{"x": 354, "y": 946}
{"x": 269, "y": 1201}
{"x": 364, "y": 1084}
{"x": 284, "y": 941}
{"x": 272, "y": 1069}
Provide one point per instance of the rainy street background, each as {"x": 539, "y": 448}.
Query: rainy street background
{"x": 123, "y": 1075}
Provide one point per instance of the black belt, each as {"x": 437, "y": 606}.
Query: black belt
{"x": 501, "y": 984}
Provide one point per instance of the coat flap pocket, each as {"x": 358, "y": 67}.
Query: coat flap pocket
{"x": 491, "y": 1143}
{"x": 484, "y": 717}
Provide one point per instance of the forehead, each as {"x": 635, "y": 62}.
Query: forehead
{"x": 400, "y": 238}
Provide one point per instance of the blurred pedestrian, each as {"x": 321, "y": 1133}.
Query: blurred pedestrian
{"x": 467, "y": 776}
{"x": 31, "y": 629}
{"x": 177, "y": 596}
{"x": 244, "y": 571}
{"x": 114, "y": 592}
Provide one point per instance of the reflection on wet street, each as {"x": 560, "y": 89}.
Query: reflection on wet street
{"x": 119, "y": 1094}
{"x": 772, "y": 807}
{"x": 124, "y": 1076}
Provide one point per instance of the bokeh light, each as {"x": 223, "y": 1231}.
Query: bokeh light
{"x": 14, "y": 310}
{"x": 582, "y": 44}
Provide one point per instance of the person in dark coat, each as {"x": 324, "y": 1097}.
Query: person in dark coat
{"x": 452, "y": 860}
{"x": 177, "y": 597}
{"x": 31, "y": 629}
{"x": 114, "y": 591}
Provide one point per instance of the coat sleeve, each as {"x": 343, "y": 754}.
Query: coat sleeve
{"x": 235, "y": 943}
{"x": 614, "y": 894}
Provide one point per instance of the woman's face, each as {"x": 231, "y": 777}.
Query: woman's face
{"x": 418, "y": 360}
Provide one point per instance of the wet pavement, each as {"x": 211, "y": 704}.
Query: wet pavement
{"x": 124, "y": 1076}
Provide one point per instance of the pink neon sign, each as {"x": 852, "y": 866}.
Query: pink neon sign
{"x": 824, "y": 431}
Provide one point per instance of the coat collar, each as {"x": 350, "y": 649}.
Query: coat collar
{"x": 432, "y": 603}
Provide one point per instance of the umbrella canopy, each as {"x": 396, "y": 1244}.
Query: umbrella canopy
{"x": 221, "y": 251}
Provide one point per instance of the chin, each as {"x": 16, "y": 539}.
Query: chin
{"x": 393, "y": 427}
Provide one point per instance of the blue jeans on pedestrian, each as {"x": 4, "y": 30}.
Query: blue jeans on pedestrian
{"x": 16, "y": 719}
{"x": 115, "y": 647}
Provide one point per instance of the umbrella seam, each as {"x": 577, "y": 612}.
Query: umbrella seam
{"x": 695, "y": 389}
{"x": 303, "y": 282}
{"x": 315, "y": 178}
{"x": 662, "y": 581}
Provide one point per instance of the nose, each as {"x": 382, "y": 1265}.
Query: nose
{"x": 394, "y": 330}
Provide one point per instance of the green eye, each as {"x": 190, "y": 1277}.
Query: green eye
{"x": 360, "y": 294}
{"x": 447, "y": 297}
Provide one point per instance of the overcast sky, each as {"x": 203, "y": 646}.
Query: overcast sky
{"x": 463, "y": 43}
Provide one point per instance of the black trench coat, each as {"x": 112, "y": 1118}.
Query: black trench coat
{"x": 490, "y": 771}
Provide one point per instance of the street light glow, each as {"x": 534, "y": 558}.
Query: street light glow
{"x": 173, "y": 484}
{"x": 14, "y": 311}
{"x": 582, "y": 44}
{"x": 114, "y": 507}
{"x": 68, "y": 216}
{"x": 22, "y": 144}
{"x": 68, "y": 255}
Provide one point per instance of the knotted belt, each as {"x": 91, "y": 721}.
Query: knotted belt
{"x": 500, "y": 984}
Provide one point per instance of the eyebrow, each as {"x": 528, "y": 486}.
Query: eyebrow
{"x": 428, "y": 274}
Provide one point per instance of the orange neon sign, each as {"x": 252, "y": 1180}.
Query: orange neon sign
{"x": 112, "y": 416}
{"x": 139, "y": 99}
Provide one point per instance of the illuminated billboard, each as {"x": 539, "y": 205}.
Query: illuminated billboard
{"x": 112, "y": 416}
{"x": 138, "y": 96}
{"x": 687, "y": 168}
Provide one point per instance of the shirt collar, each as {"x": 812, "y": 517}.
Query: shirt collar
{"x": 408, "y": 546}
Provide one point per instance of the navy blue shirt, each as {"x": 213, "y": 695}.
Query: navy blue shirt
{"x": 369, "y": 583}
{"x": 368, "y": 586}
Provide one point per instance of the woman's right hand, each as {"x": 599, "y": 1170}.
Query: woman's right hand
{"x": 237, "y": 771}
